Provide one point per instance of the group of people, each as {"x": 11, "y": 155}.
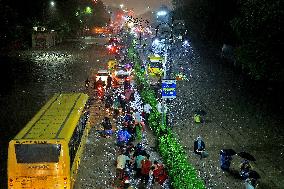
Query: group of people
{"x": 245, "y": 172}
{"x": 133, "y": 163}
{"x": 135, "y": 159}
{"x": 117, "y": 104}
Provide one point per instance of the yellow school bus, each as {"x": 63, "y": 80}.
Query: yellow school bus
{"x": 46, "y": 153}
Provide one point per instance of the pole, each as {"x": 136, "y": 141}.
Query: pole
{"x": 165, "y": 64}
{"x": 164, "y": 77}
{"x": 163, "y": 112}
{"x": 140, "y": 38}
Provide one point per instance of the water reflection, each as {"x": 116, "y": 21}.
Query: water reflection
{"x": 29, "y": 79}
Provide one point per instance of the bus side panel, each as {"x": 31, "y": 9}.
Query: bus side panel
{"x": 77, "y": 160}
{"x": 11, "y": 165}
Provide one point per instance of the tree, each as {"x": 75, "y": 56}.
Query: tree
{"x": 93, "y": 13}
{"x": 254, "y": 26}
{"x": 101, "y": 16}
{"x": 259, "y": 32}
{"x": 210, "y": 19}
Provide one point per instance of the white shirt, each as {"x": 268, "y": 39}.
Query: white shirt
{"x": 137, "y": 117}
{"x": 160, "y": 107}
{"x": 121, "y": 161}
{"x": 147, "y": 108}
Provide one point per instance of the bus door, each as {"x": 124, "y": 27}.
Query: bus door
{"x": 37, "y": 165}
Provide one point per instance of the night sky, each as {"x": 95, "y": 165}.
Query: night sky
{"x": 139, "y": 6}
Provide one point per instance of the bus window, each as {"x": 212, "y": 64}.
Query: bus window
{"x": 156, "y": 65}
{"x": 37, "y": 153}
{"x": 76, "y": 137}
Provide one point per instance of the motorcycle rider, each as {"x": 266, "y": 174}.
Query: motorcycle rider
{"x": 99, "y": 83}
{"x": 100, "y": 88}
{"x": 87, "y": 82}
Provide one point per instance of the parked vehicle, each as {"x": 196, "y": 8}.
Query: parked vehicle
{"x": 103, "y": 74}
{"x": 121, "y": 75}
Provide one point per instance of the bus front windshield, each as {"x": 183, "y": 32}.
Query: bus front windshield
{"x": 37, "y": 153}
{"x": 156, "y": 65}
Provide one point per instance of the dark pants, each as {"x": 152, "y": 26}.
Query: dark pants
{"x": 115, "y": 113}
{"x": 144, "y": 178}
{"x": 123, "y": 105}
{"x": 119, "y": 173}
{"x": 138, "y": 172}
{"x": 146, "y": 118}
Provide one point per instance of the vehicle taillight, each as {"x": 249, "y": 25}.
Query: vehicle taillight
{"x": 65, "y": 181}
{"x": 11, "y": 182}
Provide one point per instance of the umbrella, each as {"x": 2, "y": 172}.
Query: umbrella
{"x": 200, "y": 112}
{"x": 230, "y": 152}
{"x": 246, "y": 156}
{"x": 254, "y": 175}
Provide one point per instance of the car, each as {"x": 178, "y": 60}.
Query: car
{"x": 121, "y": 75}
{"x": 103, "y": 74}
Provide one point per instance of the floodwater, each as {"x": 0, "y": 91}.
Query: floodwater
{"x": 240, "y": 114}
{"x": 28, "y": 79}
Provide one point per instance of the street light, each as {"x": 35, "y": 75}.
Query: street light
{"x": 167, "y": 43}
{"x": 52, "y": 3}
{"x": 88, "y": 10}
{"x": 121, "y": 6}
{"x": 48, "y": 8}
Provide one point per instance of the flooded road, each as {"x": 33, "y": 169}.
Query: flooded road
{"x": 234, "y": 118}
{"x": 28, "y": 79}
{"x": 239, "y": 114}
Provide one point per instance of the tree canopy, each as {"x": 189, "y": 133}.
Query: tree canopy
{"x": 66, "y": 16}
{"x": 253, "y": 27}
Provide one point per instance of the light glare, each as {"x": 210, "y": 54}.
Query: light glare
{"x": 52, "y": 3}
{"x": 162, "y": 13}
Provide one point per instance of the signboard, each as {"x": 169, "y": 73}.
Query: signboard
{"x": 168, "y": 88}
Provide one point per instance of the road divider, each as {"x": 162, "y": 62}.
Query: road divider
{"x": 182, "y": 174}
